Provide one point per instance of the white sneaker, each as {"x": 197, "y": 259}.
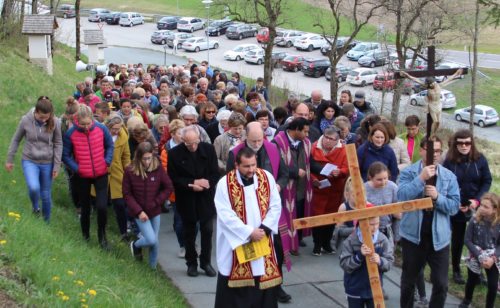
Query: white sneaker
{"x": 182, "y": 253}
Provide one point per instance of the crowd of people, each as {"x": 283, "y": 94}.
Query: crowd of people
{"x": 204, "y": 145}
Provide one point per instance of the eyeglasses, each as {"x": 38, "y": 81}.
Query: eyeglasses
{"x": 466, "y": 143}
{"x": 191, "y": 143}
{"x": 210, "y": 111}
{"x": 436, "y": 151}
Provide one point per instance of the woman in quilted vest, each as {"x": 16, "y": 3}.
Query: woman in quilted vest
{"x": 88, "y": 151}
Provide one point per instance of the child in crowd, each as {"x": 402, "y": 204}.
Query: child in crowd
{"x": 482, "y": 238}
{"x": 343, "y": 230}
{"x": 379, "y": 191}
{"x": 353, "y": 260}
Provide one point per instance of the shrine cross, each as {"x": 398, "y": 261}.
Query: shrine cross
{"x": 362, "y": 214}
{"x": 431, "y": 71}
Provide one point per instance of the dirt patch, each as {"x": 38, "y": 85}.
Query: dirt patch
{"x": 5, "y": 300}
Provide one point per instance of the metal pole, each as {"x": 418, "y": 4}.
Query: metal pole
{"x": 208, "y": 36}
{"x": 177, "y": 7}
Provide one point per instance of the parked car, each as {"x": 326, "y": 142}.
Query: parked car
{"x": 483, "y": 115}
{"x": 263, "y": 35}
{"x": 361, "y": 49}
{"x": 340, "y": 44}
{"x": 190, "y": 24}
{"x": 448, "y": 100}
{"x": 181, "y": 38}
{"x": 98, "y": 14}
{"x": 255, "y": 56}
{"x": 286, "y": 38}
{"x": 240, "y": 31}
{"x": 315, "y": 67}
{"x": 160, "y": 36}
{"x": 340, "y": 74}
{"x": 292, "y": 63}
{"x": 278, "y": 56}
{"x": 66, "y": 11}
{"x": 238, "y": 52}
{"x": 361, "y": 76}
{"x": 374, "y": 58}
{"x": 131, "y": 19}
{"x": 384, "y": 81}
{"x": 447, "y": 65}
{"x": 218, "y": 27}
{"x": 199, "y": 43}
{"x": 310, "y": 42}
{"x": 167, "y": 23}
{"x": 113, "y": 18}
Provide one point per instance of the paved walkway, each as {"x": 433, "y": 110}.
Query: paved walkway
{"x": 313, "y": 282}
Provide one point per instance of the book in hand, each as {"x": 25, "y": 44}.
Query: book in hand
{"x": 253, "y": 250}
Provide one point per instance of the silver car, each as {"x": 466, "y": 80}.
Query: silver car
{"x": 483, "y": 115}
{"x": 199, "y": 43}
{"x": 98, "y": 14}
{"x": 448, "y": 100}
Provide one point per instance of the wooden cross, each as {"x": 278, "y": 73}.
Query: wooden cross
{"x": 430, "y": 72}
{"x": 362, "y": 214}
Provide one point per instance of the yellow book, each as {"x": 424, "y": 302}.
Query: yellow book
{"x": 253, "y": 250}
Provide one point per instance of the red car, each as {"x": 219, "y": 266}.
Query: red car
{"x": 263, "y": 35}
{"x": 292, "y": 63}
{"x": 384, "y": 81}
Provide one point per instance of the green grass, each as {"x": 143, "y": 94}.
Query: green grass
{"x": 47, "y": 259}
{"x": 488, "y": 89}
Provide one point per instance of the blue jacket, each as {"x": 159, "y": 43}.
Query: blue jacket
{"x": 411, "y": 187}
{"x": 368, "y": 154}
{"x": 474, "y": 179}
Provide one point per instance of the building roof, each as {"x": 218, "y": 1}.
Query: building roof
{"x": 93, "y": 36}
{"x": 39, "y": 24}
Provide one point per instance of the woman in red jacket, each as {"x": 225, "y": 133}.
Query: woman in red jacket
{"x": 88, "y": 152}
{"x": 146, "y": 186}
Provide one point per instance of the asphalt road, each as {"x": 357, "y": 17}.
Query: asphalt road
{"x": 138, "y": 48}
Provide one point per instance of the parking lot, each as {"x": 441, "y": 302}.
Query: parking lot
{"x": 139, "y": 37}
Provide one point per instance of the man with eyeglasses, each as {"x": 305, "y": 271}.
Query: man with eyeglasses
{"x": 301, "y": 111}
{"x": 425, "y": 234}
{"x": 193, "y": 168}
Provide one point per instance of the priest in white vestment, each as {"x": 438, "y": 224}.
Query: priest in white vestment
{"x": 248, "y": 208}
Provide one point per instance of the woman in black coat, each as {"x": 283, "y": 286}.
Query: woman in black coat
{"x": 474, "y": 179}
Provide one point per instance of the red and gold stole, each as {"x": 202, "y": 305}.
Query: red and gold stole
{"x": 241, "y": 274}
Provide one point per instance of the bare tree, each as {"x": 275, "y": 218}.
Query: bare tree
{"x": 265, "y": 13}
{"x": 493, "y": 11}
{"x": 34, "y": 7}
{"x": 415, "y": 22}
{"x": 77, "y": 31}
{"x": 359, "y": 13}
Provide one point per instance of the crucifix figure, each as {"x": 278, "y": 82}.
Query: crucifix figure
{"x": 362, "y": 214}
{"x": 433, "y": 94}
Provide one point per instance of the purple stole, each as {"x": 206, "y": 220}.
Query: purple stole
{"x": 289, "y": 236}
{"x": 272, "y": 152}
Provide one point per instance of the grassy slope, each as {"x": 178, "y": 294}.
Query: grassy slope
{"x": 43, "y": 254}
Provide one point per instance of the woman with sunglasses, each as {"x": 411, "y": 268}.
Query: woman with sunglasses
{"x": 208, "y": 112}
{"x": 474, "y": 179}
{"x": 41, "y": 153}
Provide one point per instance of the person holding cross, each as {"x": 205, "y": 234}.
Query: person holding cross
{"x": 433, "y": 96}
{"x": 425, "y": 235}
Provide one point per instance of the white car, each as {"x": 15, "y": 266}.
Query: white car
{"x": 309, "y": 42}
{"x": 360, "y": 50}
{"x": 238, "y": 52}
{"x": 483, "y": 115}
{"x": 255, "y": 56}
{"x": 286, "y": 38}
{"x": 199, "y": 43}
{"x": 448, "y": 100}
{"x": 130, "y": 19}
{"x": 361, "y": 76}
{"x": 190, "y": 24}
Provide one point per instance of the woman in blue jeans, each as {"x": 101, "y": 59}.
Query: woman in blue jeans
{"x": 146, "y": 186}
{"x": 41, "y": 153}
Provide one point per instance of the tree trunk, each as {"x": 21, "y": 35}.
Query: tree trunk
{"x": 334, "y": 85}
{"x": 34, "y": 7}
{"x": 268, "y": 61}
{"x": 77, "y": 31}
{"x": 474, "y": 68}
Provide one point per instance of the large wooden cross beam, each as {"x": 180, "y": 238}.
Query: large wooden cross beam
{"x": 362, "y": 214}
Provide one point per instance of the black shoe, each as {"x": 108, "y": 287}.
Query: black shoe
{"x": 209, "y": 270}
{"x": 192, "y": 270}
{"x": 316, "y": 251}
{"x": 136, "y": 252}
{"x": 36, "y": 213}
{"x": 457, "y": 278}
{"x": 386, "y": 296}
{"x": 302, "y": 243}
{"x": 294, "y": 252}
{"x": 329, "y": 250}
{"x": 104, "y": 245}
{"x": 464, "y": 304}
{"x": 283, "y": 297}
